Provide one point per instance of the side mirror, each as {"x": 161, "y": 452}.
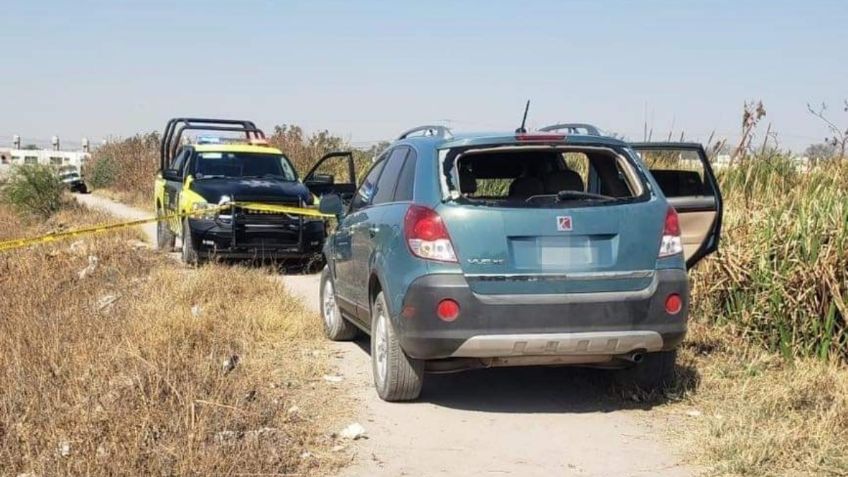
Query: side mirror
{"x": 171, "y": 175}
{"x": 330, "y": 204}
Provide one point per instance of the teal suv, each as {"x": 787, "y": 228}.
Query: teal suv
{"x": 555, "y": 247}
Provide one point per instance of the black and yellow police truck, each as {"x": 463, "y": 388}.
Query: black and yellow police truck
{"x": 239, "y": 197}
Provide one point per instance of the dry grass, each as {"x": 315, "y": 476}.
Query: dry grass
{"x": 769, "y": 333}
{"x": 126, "y": 167}
{"x": 761, "y": 414}
{"x": 781, "y": 277}
{"x": 121, "y": 371}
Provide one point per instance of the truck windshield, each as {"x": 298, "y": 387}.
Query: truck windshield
{"x": 243, "y": 164}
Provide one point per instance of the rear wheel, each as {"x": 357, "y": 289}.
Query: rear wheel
{"x": 165, "y": 239}
{"x": 189, "y": 250}
{"x": 397, "y": 377}
{"x": 335, "y": 326}
{"x": 654, "y": 372}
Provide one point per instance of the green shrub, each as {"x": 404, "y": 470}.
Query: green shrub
{"x": 101, "y": 173}
{"x": 33, "y": 190}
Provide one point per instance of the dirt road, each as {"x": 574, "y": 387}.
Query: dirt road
{"x": 522, "y": 421}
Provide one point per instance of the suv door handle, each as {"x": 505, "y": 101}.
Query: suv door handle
{"x": 372, "y": 231}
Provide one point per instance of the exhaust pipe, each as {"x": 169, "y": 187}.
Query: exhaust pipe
{"x": 635, "y": 357}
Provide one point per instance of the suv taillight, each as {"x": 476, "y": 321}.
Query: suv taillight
{"x": 426, "y": 235}
{"x": 671, "y": 243}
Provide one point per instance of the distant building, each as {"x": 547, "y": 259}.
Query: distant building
{"x": 16, "y": 157}
{"x": 55, "y": 156}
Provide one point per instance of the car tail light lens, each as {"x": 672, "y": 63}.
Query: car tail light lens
{"x": 673, "y": 304}
{"x": 447, "y": 310}
{"x": 671, "y": 243}
{"x": 426, "y": 235}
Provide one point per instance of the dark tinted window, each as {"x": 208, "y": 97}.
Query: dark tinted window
{"x": 678, "y": 172}
{"x": 407, "y": 178}
{"x": 389, "y": 177}
{"x": 180, "y": 161}
{"x": 366, "y": 190}
{"x": 242, "y": 164}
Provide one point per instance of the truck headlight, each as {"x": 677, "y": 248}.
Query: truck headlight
{"x": 226, "y": 213}
{"x": 204, "y": 210}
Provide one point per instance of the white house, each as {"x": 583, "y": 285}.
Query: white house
{"x": 42, "y": 156}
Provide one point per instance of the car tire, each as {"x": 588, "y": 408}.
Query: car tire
{"x": 189, "y": 249}
{"x": 397, "y": 377}
{"x": 654, "y": 372}
{"x": 314, "y": 264}
{"x": 165, "y": 239}
{"x": 336, "y": 328}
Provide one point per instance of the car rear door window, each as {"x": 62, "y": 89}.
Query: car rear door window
{"x": 679, "y": 172}
{"x": 366, "y": 190}
{"x": 389, "y": 178}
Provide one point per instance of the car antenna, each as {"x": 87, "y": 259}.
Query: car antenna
{"x": 522, "y": 129}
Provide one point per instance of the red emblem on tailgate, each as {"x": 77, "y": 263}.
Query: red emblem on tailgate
{"x": 564, "y": 223}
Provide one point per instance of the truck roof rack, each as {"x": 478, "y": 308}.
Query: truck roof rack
{"x": 174, "y": 131}
{"x": 573, "y": 128}
{"x": 428, "y": 130}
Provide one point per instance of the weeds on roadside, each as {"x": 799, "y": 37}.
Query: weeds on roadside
{"x": 781, "y": 277}
{"x": 118, "y": 361}
{"x": 33, "y": 189}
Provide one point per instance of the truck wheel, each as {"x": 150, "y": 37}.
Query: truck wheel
{"x": 654, "y": 372}
{"x": 397, "y": 377}
{"x": 314, "y": 263}
{"x": 336, "y": 327}
{"x": 189, "y": 250}
{"x": 165, "y": 239}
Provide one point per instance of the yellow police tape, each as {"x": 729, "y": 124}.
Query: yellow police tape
{"x": 27, "y": 242}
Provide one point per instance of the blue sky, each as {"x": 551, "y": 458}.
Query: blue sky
{"x": 369, "y": 69}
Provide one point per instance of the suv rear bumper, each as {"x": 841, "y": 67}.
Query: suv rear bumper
{"x": 591, "y": 325}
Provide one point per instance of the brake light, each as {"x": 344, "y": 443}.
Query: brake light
{"x": 671, "y": 243}
{"x": 539, "y": 137}
{"x": 673, "y": 304}
{"x": 447, "y": 310}
{"x": 426, "y": 235}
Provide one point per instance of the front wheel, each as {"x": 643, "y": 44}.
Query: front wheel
{"x": 397, "y": 377}
{"x": 336, "y": 327}
{"x": 165, "y": 239}
{"x": 189, "y": 250}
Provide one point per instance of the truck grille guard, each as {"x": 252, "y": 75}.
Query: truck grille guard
{"x": 238, "y": 218}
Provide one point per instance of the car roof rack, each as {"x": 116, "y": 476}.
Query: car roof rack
{"x": 573, "y": 128}
{"x": 175, "y": 128}
{"x": 428, "y": 130}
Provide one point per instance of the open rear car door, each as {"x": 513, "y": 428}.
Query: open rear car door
{"x": 333, "y": 174}
{"x": 683, "y": 172}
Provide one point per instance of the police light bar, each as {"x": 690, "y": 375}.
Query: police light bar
{"x": 208, "y": 140}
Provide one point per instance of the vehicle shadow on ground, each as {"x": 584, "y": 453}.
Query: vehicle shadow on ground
{"x": 281, "y": 267}
{"x": 544, "y": 389}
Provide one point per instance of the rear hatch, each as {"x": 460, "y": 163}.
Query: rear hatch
{"x": 550, "y": 218}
